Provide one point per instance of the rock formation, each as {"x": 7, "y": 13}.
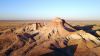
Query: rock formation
{"x": 29, "y": 27}
{"x": 57, "y": 38}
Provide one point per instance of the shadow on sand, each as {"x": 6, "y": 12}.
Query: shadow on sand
{"x": 27, "y": 35}
{"x": 87, "y": 28}
{"x": 66, "y": 51}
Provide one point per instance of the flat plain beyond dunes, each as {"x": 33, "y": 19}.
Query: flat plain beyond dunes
{"x": 57, "y": 37}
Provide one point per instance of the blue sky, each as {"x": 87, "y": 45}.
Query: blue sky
{"x": 31, "y": 9}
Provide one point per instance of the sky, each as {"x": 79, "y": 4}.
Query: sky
{"x": 39, "y": 9}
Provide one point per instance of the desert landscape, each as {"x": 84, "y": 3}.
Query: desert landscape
{"x": 49, "y": 27}
{"x": 56, "y": 37}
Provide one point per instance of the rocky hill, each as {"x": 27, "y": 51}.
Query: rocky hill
{"x": 56, "y": 38}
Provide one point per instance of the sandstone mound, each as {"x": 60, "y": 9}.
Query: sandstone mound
{"x": 53, "y": 39}
{"x": 29, "y": 27}
{"x": 7, "y": 41}
{"x": 55, "y": 27}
